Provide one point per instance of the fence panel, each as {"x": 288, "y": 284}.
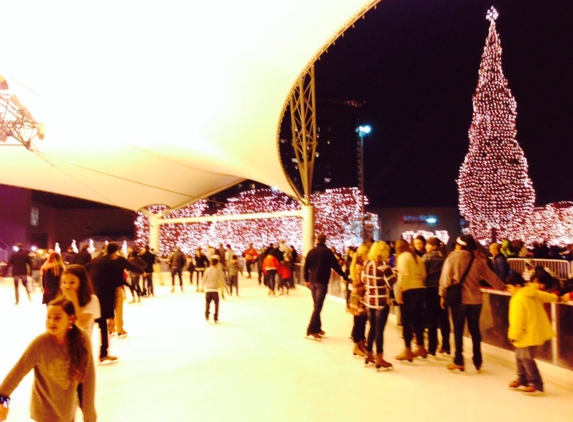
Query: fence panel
{"x": 559, "y": 267}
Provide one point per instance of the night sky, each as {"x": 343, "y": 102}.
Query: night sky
{"x": 415, "y": 63}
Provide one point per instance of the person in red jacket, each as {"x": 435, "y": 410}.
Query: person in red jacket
{"x": 250, "y": 256}
{"x": 270, "y": 268}
{"x": 284, "y": 277}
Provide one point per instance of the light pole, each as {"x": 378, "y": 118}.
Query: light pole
{"x": 362, "y": 132}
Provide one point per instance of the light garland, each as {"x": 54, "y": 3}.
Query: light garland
{"x": 337, "y": 213}
{"x": 495, "y": 192}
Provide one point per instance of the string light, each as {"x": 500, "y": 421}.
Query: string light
{"x": 337, "y": 213}
{"x": 495, "y": 193}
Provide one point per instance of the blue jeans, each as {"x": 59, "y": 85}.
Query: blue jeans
{"x": 377, "y": 318}
{"x": 318, "y": 291}
{"x": 527, "y": 372}
{"x": 460, "y": 314}
{"x": 359, "y": 328}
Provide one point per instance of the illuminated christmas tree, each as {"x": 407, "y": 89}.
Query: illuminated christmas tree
{"x": 496, "y": 196}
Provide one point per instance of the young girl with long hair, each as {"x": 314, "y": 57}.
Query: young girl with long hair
{"x": 61, "y": 359}
{"x": 76, "y": 286}
{"x": 379, "y": 279}
{"x": 51, "y": 272}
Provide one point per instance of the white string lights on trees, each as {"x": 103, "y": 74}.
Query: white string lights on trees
{"x": 496, "y": 196}
{"x": 336, "y": 211}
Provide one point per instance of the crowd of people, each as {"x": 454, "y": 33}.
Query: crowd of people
{"x": 83, "y": 289}
{"x": 419, "y": 278}
{"x": 80, "y": 291}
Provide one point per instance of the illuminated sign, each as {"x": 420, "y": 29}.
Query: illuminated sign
{"x": 428, "y": 219}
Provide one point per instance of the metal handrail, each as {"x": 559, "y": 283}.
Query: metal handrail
{"x": 561, "y": 268}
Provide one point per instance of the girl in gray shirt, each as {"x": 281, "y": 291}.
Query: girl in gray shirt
{"x": 61, "y": 359}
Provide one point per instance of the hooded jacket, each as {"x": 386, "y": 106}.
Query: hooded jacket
{"x": 528, "y": 321}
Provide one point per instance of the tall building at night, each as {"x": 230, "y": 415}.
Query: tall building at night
{"x": 338, "y": 152}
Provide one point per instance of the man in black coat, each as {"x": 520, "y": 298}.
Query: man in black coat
{"x": 21, "y": 268}
{"x": 150, "y": 258}
{"x": 106, "y": 273}
{"x": 177, "y": 262}
{"x": 317, "y": 266}
{"x": 83, "y": 256}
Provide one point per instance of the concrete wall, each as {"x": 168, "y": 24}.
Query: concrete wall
{"x": 80, "y": 224}
{"x": 54, "y": 225}
{"x": 15, "y": 226}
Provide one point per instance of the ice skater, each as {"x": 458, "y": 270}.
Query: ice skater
{"x": 213, "y": 280}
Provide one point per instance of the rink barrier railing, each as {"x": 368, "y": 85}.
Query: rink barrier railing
{"x": 494, "y": 320}
{"x": 561, "y": 268}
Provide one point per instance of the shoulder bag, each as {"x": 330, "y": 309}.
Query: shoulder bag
{"x": 453, "y": 296}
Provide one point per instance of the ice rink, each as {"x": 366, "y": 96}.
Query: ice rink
{"x": 257, "y": 365}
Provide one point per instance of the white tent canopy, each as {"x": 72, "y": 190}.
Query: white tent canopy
{"x": 158, "y": 102}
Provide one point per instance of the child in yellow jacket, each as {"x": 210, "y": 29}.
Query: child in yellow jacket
{"x": 529, "y": 327}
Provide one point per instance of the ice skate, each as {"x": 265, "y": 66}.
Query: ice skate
{"x": 369, "y": 358}
{"x": 357, "y": 351}
{"x": 406, "y": 355}
{"x": 381, "y": 363}
{"x": 314, "y": 336}
{"x": 456, "y": 369}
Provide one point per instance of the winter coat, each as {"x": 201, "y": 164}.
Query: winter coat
{"x": 528, "y": 321}
{"x": 454, "y": 267}
{"x": 434, "y": 261}
{"x": 378, "y": 279}
{"x": 319, "y": 261}
{"x": 270, "y": 263}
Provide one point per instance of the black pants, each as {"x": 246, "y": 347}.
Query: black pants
{"x": 260, "y": 270}
{"x": 249, "y": 264}
{"x": 212, "y": 296}
{"x": 178, "y": 272}
{"x": 135, "y": 287}
{"x": 377, "y": 318}
{"x": 149, "y": 278}
{"x": 460, "y": 314}
{"x": 359, "y": 328}
{"x": 413, "y": 316}
{"x": 102, "y": 322}
{"x": 234, "y": 281}
{"x": 436, "y": 317}
{"x": 270, "y": 279}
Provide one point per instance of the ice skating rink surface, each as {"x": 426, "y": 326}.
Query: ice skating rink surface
{"x": 256, "y": 365}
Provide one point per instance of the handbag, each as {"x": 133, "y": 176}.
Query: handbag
{"x": 356, "y": 305}
{"x": 453, "y": 296}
